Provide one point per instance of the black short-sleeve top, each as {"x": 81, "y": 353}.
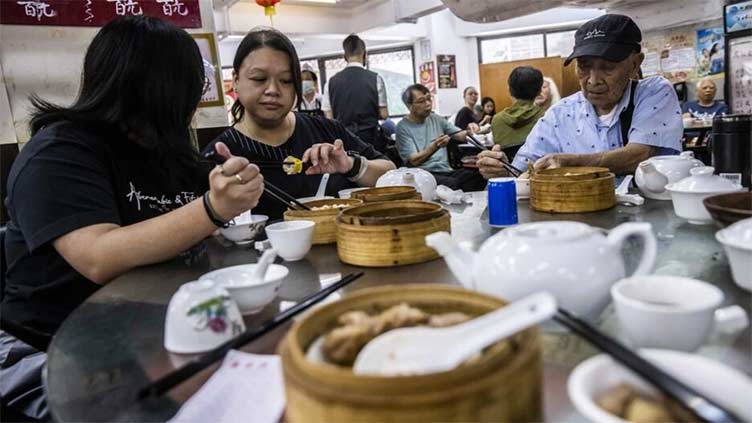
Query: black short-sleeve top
{"x": 309, "y": 130}
{"x": 68, "y": 177}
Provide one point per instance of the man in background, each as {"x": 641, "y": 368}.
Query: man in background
{"x": 512, "y": 125}
{"x": 356, "y": 96}
{"x": 422, "y": 137}
{"x": 706, "y": 107}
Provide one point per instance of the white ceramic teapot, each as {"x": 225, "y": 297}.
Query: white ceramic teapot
{"x": 653, "y": 174}
{"x": 573, "y": 261}
{"x": 421, "y": 179}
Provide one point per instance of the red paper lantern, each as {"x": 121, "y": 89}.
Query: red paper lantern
{"x": 268, "y": 5}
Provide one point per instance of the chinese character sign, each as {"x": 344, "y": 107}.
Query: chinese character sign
{"x": 184, "y": 13}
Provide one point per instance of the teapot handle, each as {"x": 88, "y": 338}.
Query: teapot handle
{"x": 643, "y": 230}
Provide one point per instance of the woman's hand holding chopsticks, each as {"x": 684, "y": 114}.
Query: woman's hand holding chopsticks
{"x": 235, "y": 185}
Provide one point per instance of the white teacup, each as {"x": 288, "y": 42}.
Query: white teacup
{"x": 201, "y": 316}
{"x": 672, "y": 312}
{"x": 291, "y": 239}
{"x": 522, "y": 186}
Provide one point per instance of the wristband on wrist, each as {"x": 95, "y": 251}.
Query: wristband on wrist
{"x": 211, "y": 213}
{"x": 361, "y": 171}
{"x": 355, "y": 169}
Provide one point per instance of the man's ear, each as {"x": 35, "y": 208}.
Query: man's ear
{"x": 637, "y": 62}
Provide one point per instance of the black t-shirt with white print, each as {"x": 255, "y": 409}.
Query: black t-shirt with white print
{"x": 68, "y": 177}
{"x": 309, "y": 130}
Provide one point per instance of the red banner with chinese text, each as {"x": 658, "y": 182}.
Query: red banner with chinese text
{"x": 183, "y": 13}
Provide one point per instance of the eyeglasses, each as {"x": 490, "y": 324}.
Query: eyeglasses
{"x": 424, "y": 99}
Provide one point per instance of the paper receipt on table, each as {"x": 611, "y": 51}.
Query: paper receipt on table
{"x": 246, "y": 388}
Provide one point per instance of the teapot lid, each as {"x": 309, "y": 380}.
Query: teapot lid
{"x": 552, "y": 231}
{"x": 702, "y": 180}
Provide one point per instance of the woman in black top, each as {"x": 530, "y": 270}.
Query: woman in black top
{"x": 467, "y": 117}
{"x": 266, "y": 75}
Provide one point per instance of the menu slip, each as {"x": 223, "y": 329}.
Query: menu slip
{"x": 247, "y": 387}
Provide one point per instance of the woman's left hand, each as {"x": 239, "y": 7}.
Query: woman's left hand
{"x": 327, "y": 158}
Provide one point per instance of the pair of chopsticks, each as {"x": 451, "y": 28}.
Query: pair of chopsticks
{"x": 701, "y": 406}
{"x": 474, "y": 141}
{"x": 270, "y": 189}
{"x": 176, "y": 377}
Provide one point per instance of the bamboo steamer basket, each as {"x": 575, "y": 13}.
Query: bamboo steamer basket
{"x": 504, "y": 384}
{"x": 572, "y": 190}
{"x": 390, "y": 233}
{"x": 391, "y": 193}
{"x": 325, "y": 231}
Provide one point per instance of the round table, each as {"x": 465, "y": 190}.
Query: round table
{"x": 112, "y": 345}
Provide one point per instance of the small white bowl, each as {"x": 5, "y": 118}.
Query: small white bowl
{"x": 523, "y": 187}
{"x": 238, "y": 281}
{"x": 244, "y": 228}
{"x": 346, "y": 193}
{"x": 737, "y": 241}
{"x": 201, "y": 316}
{"x": 591, "y": 378}
{"x": 291, "y": 239}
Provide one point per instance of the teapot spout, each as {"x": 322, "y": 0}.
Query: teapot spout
{"x": 458, "y": 257}
{"x": 654, "y": 181}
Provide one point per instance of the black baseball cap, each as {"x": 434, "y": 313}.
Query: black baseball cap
{"x": 611, "y": 37}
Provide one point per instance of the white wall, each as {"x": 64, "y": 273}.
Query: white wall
{"x": 47, "y": 60}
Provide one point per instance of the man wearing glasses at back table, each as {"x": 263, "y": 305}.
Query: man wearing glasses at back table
{"x": 422, "y": 137}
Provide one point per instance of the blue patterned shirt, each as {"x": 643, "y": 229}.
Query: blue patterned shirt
{"x": 572, "y": 126}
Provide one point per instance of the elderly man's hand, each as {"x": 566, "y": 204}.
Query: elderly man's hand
{"x": 489, "y": 163}
{"x": 552, "y": 161}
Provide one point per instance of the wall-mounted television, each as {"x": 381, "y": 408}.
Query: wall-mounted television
{"x": 738, "y": 16}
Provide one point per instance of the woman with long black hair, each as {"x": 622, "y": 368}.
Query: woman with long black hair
{"x": 112, "y": 182}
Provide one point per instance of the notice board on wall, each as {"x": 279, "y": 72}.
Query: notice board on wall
{"x": 183, "y": 13}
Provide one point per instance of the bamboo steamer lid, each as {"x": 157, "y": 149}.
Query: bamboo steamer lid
{"x": 391, "y": 193}
{"x": 504, "y": 384}
{"x": 390, "y": 233}
{"x": 325, "y": 231}
{"x": 572, "y": 190}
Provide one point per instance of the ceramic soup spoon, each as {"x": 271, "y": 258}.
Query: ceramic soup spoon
{"x": 421, "y": 350}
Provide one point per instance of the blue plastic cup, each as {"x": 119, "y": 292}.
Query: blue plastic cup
{"x": 502, "y": 202}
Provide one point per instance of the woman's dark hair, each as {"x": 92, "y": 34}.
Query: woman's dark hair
{"x": 525, "y": 83}
{"x": 487, "y": 100}
{"x": 266, "y": 37}
{"x": 407, "y": 95}
{"x": 464, "y": 92}
{"x": 142, "y": 77}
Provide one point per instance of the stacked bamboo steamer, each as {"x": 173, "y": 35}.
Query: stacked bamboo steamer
{"x": 390, "y": 233}
{"x": 325, "y": 231}
{"x": 390, "y": 193}
{"x": 504, "y": 384}
{"x": 572, "y": 189}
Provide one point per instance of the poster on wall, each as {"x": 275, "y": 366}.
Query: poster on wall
{"x": 447, "y": 64}
{"x": 428, "y": 79}
{"x": 738, "y": 16}
{"x": 183, "y": 13}
{"x": 740, "y": 75}
{"x": 709, "y": 51}
{"x": 212, "y": 94}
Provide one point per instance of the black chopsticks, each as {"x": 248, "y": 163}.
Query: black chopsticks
{"x": 280, "y": 195}
{"x": 176, "y": 377}
{"x": 272, "y": 190}
{"x": 701, "y": 406}
{"x": 474, "y": 141}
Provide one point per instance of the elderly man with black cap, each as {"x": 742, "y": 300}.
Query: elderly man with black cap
{"x": 614, "y": 121}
